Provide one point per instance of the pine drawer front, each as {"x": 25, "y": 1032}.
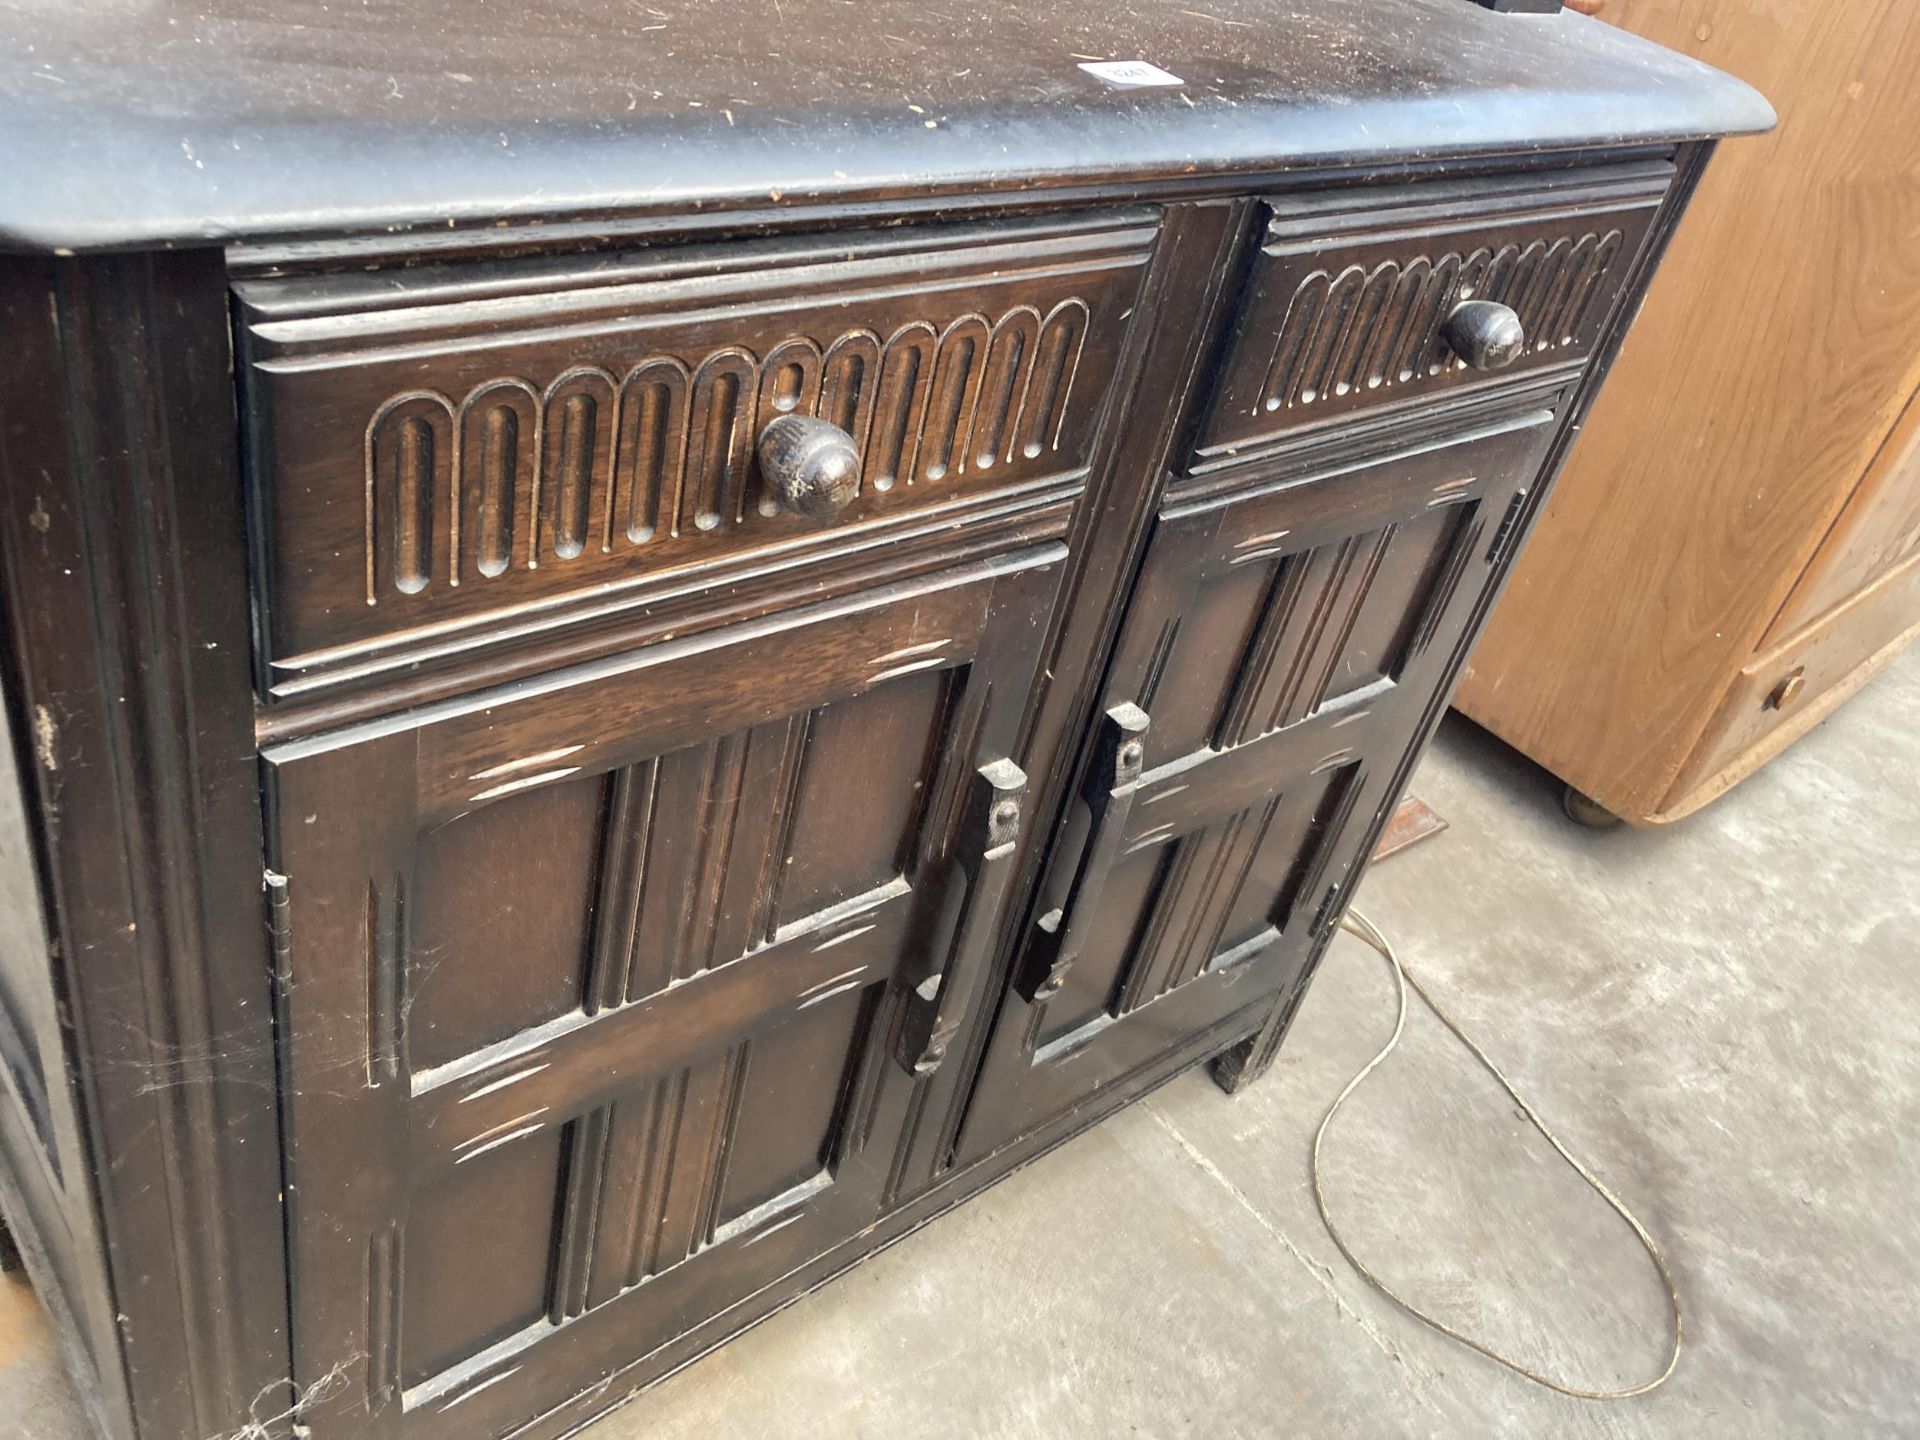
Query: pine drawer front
{"x": 448, "y": 456}
{"x": 1349, "y": 296}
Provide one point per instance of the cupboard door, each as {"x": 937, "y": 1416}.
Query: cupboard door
{"x": 1272, "y": 668}
{"x": 601, "y": 995}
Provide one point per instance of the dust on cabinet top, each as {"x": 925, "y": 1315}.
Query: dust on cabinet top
{"x": 130, "y": 123}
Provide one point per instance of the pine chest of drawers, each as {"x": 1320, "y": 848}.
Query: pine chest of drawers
{"x": 642, "y": 650}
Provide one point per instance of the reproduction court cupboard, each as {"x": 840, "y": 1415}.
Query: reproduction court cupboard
{"x": 641, "y": 650}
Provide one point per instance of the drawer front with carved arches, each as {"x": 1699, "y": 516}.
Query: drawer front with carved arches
{"x": 1354, "y": 302}
{"x": 458, "y": 455}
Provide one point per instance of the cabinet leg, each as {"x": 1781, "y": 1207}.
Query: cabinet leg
{"x": 1235, "y": 1069}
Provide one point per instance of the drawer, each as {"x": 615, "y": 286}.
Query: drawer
{"x": 447, "y": 457}
{"x": 1783, "y": 692}
{"x": 1351, "y": 298}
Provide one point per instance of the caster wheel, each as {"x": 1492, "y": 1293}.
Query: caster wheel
{"x": 1584, "y": 810}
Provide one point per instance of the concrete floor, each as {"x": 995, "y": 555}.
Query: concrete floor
{"x": 1722, "y": 1017}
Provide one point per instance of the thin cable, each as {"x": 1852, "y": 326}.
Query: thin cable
{"x": 1358, "y": 925}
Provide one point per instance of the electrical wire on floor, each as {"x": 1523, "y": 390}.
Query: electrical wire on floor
{"x": 1363, "y": 929}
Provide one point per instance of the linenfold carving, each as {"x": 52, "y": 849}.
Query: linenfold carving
{"x": 460, "y": 490}
{"x": 1380, "y": 328}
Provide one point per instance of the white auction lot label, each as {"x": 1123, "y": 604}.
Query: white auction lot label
{"x": 1129, "y": 73}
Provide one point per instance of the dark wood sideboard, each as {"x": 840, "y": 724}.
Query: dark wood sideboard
{"x": 642, "y": 648}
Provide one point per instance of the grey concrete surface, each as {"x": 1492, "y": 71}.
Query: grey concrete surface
{"x": 1722, "y": 1017}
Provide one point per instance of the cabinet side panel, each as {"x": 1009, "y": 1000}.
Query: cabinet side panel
{"x": 127, "y": 612}
{"x": 56, "y": 1224}
{"x": 45, "y": 1206}
{"x": 29, "y": 1019}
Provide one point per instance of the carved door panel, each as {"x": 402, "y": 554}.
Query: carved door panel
{"x": 1273, "y": 665}
{"x": 600, "y": 994}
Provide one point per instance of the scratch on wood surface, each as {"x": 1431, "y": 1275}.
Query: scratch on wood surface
{"x": 921, "y": 649}
{"x": 510, "y": 786}
{"x": 507, "y": 767}
{"x": 504, "y": 1081}
{"x": 843, "y": 975}
{"x": 492, "y": 1139}
{"x": 907, "y": 669}
{"x": 842, "y": 938}
{"x": 827, "y": 995}
{"x": 46, "y": 736}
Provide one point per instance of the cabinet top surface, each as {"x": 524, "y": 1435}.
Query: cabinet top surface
{"x": 148, "y": 122}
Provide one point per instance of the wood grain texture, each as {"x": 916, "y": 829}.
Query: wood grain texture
{"x": 1878, "y": 528}
{"x": 1777, "y": 350}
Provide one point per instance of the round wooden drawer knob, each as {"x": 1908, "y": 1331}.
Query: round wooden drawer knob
{"x": 1485, "y": 334}
{"x": 811, "y": 466}
{"x": 1787, "y": 691}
